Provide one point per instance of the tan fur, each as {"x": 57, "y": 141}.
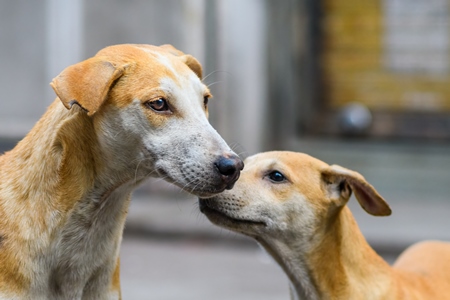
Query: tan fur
{"x": 304, "y": 223}
{"x": 65, "y": 188}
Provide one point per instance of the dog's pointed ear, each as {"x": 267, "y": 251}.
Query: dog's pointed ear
{"x": 86, "y": 83}
{"x": 188, "y": 59}
{"x": 344, "y": 181}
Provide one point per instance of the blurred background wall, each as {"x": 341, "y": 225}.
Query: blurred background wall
{"x": 39, "y": 39}
{"x": 279, "y": 70}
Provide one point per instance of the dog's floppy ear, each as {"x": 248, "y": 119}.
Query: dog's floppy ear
{"x": 189, "y": 60}
{"x": 345, "y": 181}
{"x": 193, "y": 64}
{"x": 86, "y": 83}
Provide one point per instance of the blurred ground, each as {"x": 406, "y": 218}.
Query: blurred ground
{"x": 192, "y": 269}
{"x": 170, "y": 251}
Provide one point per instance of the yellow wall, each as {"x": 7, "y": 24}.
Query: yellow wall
{"x": 353, "y": 62}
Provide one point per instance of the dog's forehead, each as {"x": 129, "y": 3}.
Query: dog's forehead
{"x": 303, "y": 173}
{"x": 153, "y": 60}
{"x": 302, "y": 170}
{"x": 290, "y": 161}
{"x": 173, "y": 72}
{"x": 153, "y": 70}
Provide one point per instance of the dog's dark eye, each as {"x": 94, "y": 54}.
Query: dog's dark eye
{"x": 205, "y": 101}
{"x": 276, "y": 176}
{"x": 158, "y": 105}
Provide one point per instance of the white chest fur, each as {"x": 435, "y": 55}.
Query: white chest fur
{"x": 82, "y": 257}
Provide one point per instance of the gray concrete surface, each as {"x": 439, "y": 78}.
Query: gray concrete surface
{"x": 188, "y": 269}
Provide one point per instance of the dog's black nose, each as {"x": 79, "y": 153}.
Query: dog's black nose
{"x": 230, "y": 169}
{"x": 228, "y": 166}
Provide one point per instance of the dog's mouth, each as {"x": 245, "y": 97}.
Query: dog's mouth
{"x": 199, "y": 189}
{"x": 205, "y": 194}
{"x": 220, "y": 217}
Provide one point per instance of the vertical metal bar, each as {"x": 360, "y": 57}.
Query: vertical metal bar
{"x": 64, "y": 35}
{"x": 194, "y": 28}
{"x": 215, "y": 77}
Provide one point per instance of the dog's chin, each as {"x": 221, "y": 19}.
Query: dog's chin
{"x": 222, "y": 219}
{"x": 194, "y": 189}
{"x": 209, "y": 189}
{"x": 203, "y": 193}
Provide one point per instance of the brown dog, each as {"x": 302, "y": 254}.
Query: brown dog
{"x": 130, "y": 112}
{"x": 295, "y": 206}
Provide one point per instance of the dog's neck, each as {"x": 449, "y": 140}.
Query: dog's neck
{"x": 63, "y": 152}
{"x": 60, "y": 180}
{"x": 344, "y": 265}
{"x": 291, "y": 258}
{"x": 339, "y": 265}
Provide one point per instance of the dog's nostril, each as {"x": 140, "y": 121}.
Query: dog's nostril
{"x": 230, "y": 169}
{"x": 240, "y": 164}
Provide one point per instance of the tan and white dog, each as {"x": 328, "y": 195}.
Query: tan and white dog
{"x": 295, "y": 206}
{"x": 128, "y": 113}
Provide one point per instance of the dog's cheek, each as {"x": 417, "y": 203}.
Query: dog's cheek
{"x": 298, "y": 214}
{"x": 158, "y": 121}
{"x": 280, "y": 192}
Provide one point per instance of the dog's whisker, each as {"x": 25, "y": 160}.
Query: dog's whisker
{"x": 213, "y": 83}
{"x": 136, "y": 171}
{"x": 185, "y": 186}
{"x": 149, "y": 174}
{"x": 210, "y": 73}
{"x": 194, "y": 181}
{"x": 239, "y": 149}
{"x": 215, "y": 72}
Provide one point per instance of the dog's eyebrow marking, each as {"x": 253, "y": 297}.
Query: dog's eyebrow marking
{"x": 166, "y": 62}
{"x": 274, "y": 164}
